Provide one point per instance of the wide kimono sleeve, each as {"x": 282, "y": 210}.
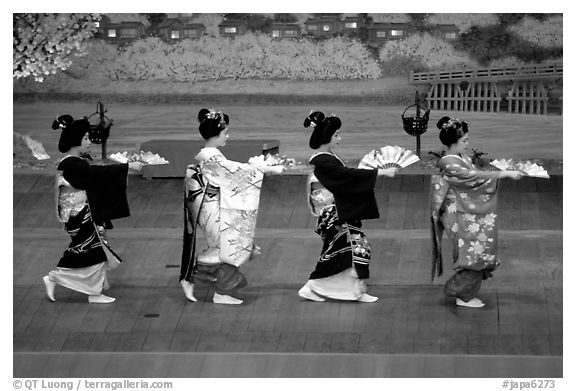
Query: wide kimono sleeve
{"x": 341, "y": 179}
{"x": 239, "y": 186}
{"x": 239, "y": 183}
{"x": 105, "y": 186}
{"x": 353, "y": 188}
{"x": 475, "y": 189}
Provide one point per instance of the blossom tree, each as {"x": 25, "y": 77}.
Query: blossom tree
{"x": 46, "y": 43}
{"x": 390, "y": 18}
{"x": 463, "y": 21}
{"x": 547, "y": 33}
{"x": 431, "y": 52}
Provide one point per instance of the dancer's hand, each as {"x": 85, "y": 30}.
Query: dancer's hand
{"x": 390, "y": 172}
{"x": 273, "y": 169}
{"x": 135, "y": 166}
{"x": 515, "y": 174}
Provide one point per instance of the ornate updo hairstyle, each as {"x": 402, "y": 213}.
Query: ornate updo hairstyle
{"x": 72, "y": 132}
{"x": 451, "y": 130}
{"x": 212, "y": 123}
{"x": 324, "y": 128}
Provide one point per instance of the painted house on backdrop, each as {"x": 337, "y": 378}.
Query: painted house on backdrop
{"x": 180, "y": 26}
{"x": 232, "y": 28}
{"x": 380, "y": 33}
{"x": 122, "y": 28}
{"x": 447, "y": 32}
{"x": 285, "y": 30}
{"x": 323, "y": 25}
{"x": 353, "y": 24}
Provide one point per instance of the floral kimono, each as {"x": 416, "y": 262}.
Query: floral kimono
{"x": 463, "y": 205}
{"x": 221, "y": 199}
{"x": 82, "y": 193}
{"x": 334, "y": 191}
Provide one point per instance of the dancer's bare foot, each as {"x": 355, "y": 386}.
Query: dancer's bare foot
{"x": 225, "y": 299}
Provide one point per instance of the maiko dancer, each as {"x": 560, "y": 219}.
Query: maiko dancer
{"x": 221, "y": 199}
{"x": 464, "y": 206}
{"x": 341, "y": 197}
{"x": 88, "y": 197}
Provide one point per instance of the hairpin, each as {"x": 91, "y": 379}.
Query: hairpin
{"x": 61, "y": 125}
{"x": 211, "y": 114}
{"x": 312, "y": 123}
{"x": 451, "y": 122}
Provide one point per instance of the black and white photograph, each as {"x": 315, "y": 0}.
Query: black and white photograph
{"x": 303, "y": 195}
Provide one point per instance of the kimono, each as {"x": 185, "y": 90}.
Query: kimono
{"x": 88, "y": 197}
{"x": 340, "y": 197}
{"x": 221, "y": 199}
{"x": 463, "y": 204}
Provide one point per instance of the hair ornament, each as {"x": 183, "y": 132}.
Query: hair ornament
{"x": 212, "y": 114}
{"x": 312, "y": 123}
{"x": 61, "y": 124}
{"x": 216, "y": 115}
{"x": 450, "y": 123}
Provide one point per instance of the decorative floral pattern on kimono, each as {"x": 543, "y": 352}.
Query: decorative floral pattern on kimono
{"x": 319, "y": 198}
{"x": 463, "y": 204}
{"x": 221, "y": 199}
{"x": 69, "y": 201}
{"x": 345, "y": 244}
{"x": 238, "y": 182}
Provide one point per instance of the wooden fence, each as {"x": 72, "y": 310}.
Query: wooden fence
{"x": 521, "y": 89}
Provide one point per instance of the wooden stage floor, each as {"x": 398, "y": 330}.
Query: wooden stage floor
{"x": 412, "y": 331}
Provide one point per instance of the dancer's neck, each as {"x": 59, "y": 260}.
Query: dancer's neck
{"x": 74, "y": 151}
{"x": 211, "y": 144}
{"x": 451, "y": 151}
{"x": 325, "y": 148}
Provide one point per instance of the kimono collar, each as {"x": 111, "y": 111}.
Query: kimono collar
{"x": 458, "y": 156}
{"x": 327, "y": 153}
{"x": 206, "y": 153}
{"x": 67, "y": 156}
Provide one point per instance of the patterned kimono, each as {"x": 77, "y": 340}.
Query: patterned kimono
{"x": 463, "y": 205}
{"x": 87, "y": 198}
{"x": 221, "y": 199}
{"x": 340, "y": 197}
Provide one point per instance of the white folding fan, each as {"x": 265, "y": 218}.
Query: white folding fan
{"x": 527, "y": 167}
{"x": 143, "y": 157}
{"x": 388, "y": 157}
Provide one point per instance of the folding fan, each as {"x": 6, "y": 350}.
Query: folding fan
{"x": 527, "y": 167}
{"x": 388, "y": 157}
{"x": 143, "y": 157}
{"x": 272, "y": 160}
